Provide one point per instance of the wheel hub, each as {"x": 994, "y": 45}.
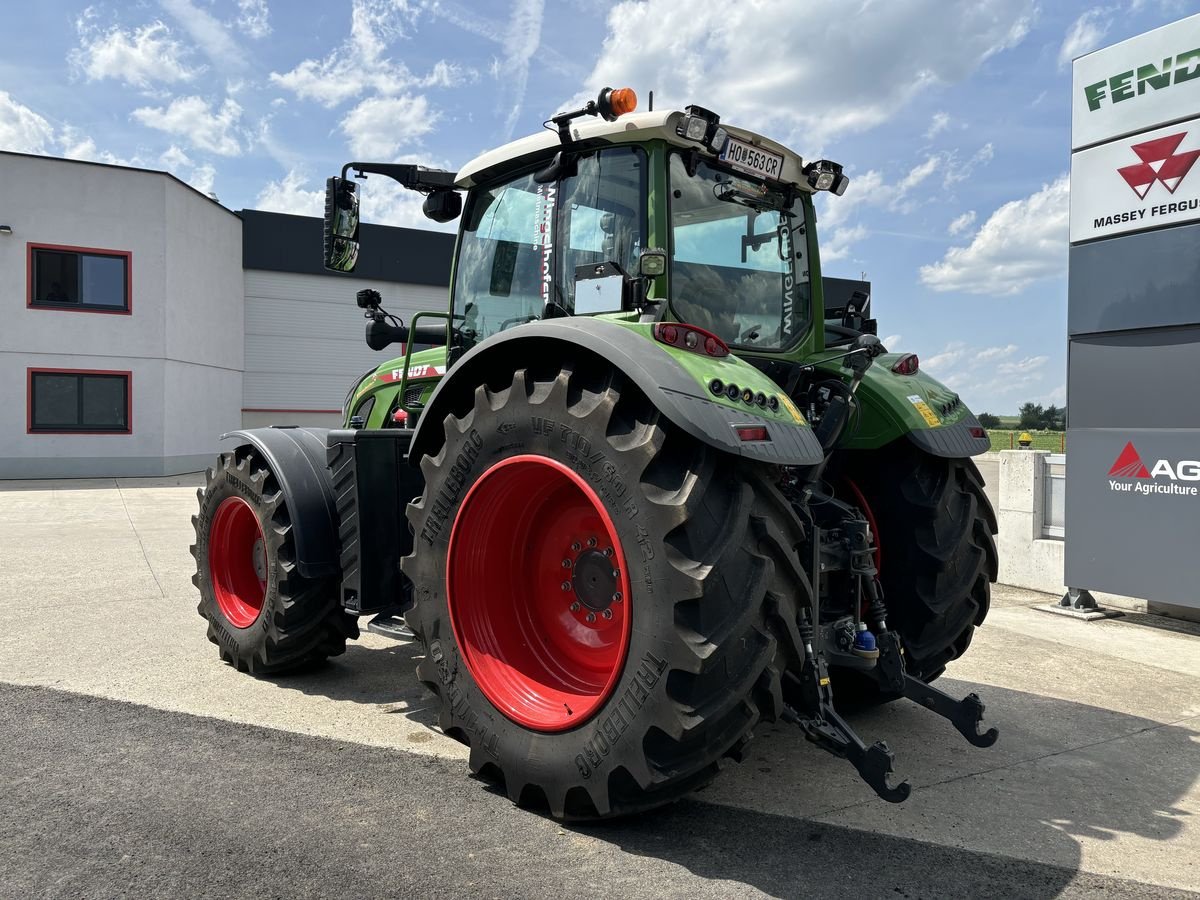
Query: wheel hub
{"x": 595, "y": 579}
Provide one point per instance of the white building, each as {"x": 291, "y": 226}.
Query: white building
{"x": 132, "y": 335}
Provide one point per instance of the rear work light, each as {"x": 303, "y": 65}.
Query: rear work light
{"x": 908, "y": 364}
{"x": 689, "y": 337}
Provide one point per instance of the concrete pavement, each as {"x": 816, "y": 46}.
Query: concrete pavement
{"x": 1095, "y": 775}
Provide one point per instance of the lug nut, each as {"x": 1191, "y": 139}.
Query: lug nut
{"x": 617, "y": 597}
{"x": 616, "y": 573}
{"x": 575, "y": 546}
{"x": 566, "y": 564}
{"x": 591, "y": 542}
{"x": 591, "y": 617}
{"x": 608, "y": 551}
{"x": 566, "y": 585}
{"x": 575, "y": 606}
{"x": 608, "y": 614}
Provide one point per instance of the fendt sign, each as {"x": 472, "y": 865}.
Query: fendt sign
{"x": 1133, "y": 438}
{"x": 1152, "y": 78}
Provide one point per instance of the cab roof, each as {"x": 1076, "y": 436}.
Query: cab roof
{"x": 635, "y": 127}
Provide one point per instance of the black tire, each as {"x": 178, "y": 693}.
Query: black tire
{"x": 301, "y": 621}
{"x": 938, "y": 557}
{"x": 717, "y": 578}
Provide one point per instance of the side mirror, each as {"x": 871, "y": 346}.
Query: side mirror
{"x": 341, "y": 224}
{"x": 442, "y": 206}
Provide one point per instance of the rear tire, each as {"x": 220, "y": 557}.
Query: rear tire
{"x": 264, "y": 617}
{"x": 713, "y": 576}
{"x": 937, "y": 556}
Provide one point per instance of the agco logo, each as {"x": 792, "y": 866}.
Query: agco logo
{"x": 1159, "y": 162}
{"x": 1162, "y": 478}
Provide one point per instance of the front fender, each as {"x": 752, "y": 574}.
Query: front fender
{"x": 678, "y": 392}
{"x": 297, "y": 458}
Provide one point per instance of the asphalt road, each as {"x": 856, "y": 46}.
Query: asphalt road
{"x": 106, "y": 799}
{"x": 135, "y": 763}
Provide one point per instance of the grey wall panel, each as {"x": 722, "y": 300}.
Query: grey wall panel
{"x": 1135, "y": 281}
{"x": 304, "y": 336}
{"x": 1133, "y": 534}
{"x": 1147, "y": 379}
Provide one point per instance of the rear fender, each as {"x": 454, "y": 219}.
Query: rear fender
{"x": 917, "y": 407}
{"x": 679, "y": 395}
{"x": 297, "y": 458}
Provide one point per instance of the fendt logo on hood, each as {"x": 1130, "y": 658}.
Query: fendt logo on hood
{"x": 1159, "y": 162}
{"x": 1162, "y": 478}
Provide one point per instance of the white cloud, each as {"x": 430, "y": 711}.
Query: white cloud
{"x": 1084, "y": 35}
{"x": 359, "y": 65}
{"x": 855, "y": 72}
{"x": 378, "y": 127}
{"x": 210, "y": 33}
{"x": 956, "y": 171}
{"x": 195, "y": 121}
{"x": 916, "y": 175}
{"x": 21, "y": 129}
{"x": 892, "y": 341}
{"x": 962, "y": 223}
{"x": 179, "y": 164}
{"x": 990, "y": 353}
{"x": 838, "y": 244}
{"x": 939, "y": 123}
{"x": 254, "y": 19}
{"x": 139, "y": 57}
{"x": 998, "y": 374}
{"x": 1021, "y": 242}
{"x": 288, "y": 195}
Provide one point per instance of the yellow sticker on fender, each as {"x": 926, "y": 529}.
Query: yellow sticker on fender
{"x": 924, "y": 409}
{"x": 791, "y": 408}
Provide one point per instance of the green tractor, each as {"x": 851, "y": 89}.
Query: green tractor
{"x": 638, "y": 494}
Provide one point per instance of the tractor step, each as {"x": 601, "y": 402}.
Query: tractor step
{"x": 390, "y": 626}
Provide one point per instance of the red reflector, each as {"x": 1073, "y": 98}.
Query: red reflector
{"x": 977, "y": 432}
{"x": 400, "y": 416}
{"x": 752, "y": 432}
{"x": 908, "y": 364}
{"x": 689, "y": 337}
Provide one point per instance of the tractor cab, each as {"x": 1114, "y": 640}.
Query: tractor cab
{"x": 647, "y": 216}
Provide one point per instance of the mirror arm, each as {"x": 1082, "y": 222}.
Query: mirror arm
{"x": 413, "y": 177}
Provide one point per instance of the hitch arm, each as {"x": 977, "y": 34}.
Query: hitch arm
{"x": 965, "y": 714}
{"x": 874, "y": 763}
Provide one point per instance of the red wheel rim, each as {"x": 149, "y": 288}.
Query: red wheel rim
{"x": 538, "y": 592}
{"x": 237, "y": 562}
{"x": 861, "y": 500}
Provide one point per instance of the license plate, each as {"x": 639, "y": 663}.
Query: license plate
{"x": 752, "y": 160}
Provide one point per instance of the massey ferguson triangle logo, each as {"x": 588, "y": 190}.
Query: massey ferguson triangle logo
{"x": 1159, "y": 162}
{"x": 1129, "y": 464}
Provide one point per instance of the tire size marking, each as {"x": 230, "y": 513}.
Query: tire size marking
{"x": 459, "y": 707}
{"x": 448, "y": 493}
{"x": 617, "y": 722}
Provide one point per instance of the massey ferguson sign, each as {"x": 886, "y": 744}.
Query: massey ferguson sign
{"x": 1136, "y": 183}
{"x": 1130, "y": 474}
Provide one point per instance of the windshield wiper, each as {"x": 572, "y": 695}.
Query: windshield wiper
{"x": 729, "y": 192}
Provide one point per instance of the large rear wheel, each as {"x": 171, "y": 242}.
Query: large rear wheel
{"x": 934, "y": 528}
{"x": 599, "y": 594}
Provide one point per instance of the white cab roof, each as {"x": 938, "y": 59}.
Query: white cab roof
{"x": 634, "y": 127}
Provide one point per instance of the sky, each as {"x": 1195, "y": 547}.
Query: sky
{"x": 952, "y": 119}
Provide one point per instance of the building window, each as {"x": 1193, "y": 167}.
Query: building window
{"x": 79, "y": 402}
{"x": 78, "y": 278}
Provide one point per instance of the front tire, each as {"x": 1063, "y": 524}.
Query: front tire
{"x": 264, "y": 617}
{"x": 591, "y": 703}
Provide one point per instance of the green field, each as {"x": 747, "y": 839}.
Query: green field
{"x": 1004, "y": 439}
